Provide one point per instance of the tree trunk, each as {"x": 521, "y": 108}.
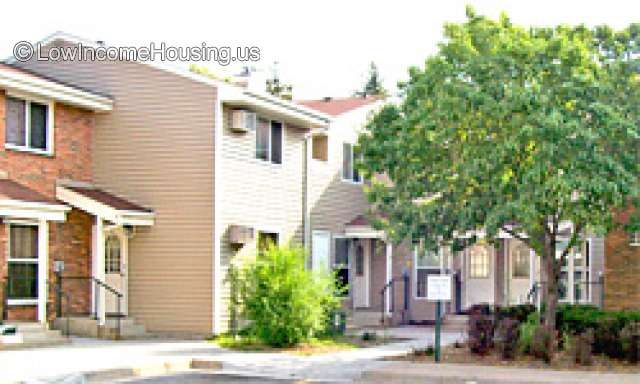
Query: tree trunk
{"x": 551, "y": 291}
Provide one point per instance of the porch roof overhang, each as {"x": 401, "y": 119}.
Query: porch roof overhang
{"x": 20, "y": 202}
{"x": 105, "y": 205}
{"x": 360, "y": 227}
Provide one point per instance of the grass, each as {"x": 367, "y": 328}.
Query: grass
{"x": 312, "y": 347}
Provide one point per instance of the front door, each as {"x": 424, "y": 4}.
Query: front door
{"x": 114, "y": 264}
{"x": 361, "y": 260}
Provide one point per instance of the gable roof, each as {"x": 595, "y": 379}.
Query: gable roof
{"x": 226, "y": 92}
{"x": 338, "y": 106}
{"x": 20, "y": 80}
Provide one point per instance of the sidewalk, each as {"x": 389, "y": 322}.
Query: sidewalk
{"x": 85, "y": 355}
{"x": 406, "y": 372}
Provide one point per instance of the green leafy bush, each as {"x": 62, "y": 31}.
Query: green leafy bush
{"x": 526, "y": 331}
{"x": 516, "y": 312}
{"x": 286, "y": 303}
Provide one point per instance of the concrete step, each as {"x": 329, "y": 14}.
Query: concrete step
{"x": 88, "y": 327}
{"x": 363, "y": 318}
{"x": 32, "y": 335}
{"x": 456, "y": 322}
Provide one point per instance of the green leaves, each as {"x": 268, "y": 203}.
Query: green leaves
{"x": 286, "y": 302}
{"x": 512, "y": 127}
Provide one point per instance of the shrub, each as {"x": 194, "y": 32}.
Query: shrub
{"x": 525, "y": 332}
{"x": 506, "y": 338}
{"x": 630, "y": 342}
{"x": 516, "y": 312}
{"x": 580, "y": 348}
{"x": 426, "y": 351}
{"x": 369, "y": 336}
{"x": 607, "y": 337}
{"x": 286, "y": 303}
{"x": 481, "y": 324}
{"x": 543, "y": 336}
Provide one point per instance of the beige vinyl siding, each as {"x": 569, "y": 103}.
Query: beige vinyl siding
{"x": 334, "y": 202}
{"x": 156, "y": 148}
{"x": 260, "y": 194}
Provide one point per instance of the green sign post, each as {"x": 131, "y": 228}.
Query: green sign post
{"x": 438, "y": 290}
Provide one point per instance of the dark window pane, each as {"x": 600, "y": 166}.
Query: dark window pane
{"x": 276, "y": 142}
{"x": 23, "y": 281}
{"x": 23, "y": 242}
{"x": 262, "y": 140}
{"x": 421, "y": 280}
{"x": 359, "y": 260}
{"x": 112, "y": 255}
{"x": 346, "y": 161}
{"x": 15, "y": 127}
{"x": 356, "y": 175}
{"x": 38, "y": 134}
{"x": 342, "y": 252}
{"x": 342, "y": 281}
{"x": 266, "y": 239}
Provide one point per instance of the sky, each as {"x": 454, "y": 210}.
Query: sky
{"x": 322, "y": 48}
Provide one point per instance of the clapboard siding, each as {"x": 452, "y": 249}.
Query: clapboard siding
{"x": 156, "y": 148}
{"x": 259, "y": 194}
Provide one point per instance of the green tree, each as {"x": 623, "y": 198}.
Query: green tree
{"x": 373, "y": 86}
{"x": 515, "y": 130}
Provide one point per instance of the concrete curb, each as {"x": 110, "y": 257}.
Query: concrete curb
{"x": 144, "y": 370}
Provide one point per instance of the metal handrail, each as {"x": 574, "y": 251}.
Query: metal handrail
{"x": 97, "y": 285}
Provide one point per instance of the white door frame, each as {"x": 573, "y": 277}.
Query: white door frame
{"x": 366, "y": 275}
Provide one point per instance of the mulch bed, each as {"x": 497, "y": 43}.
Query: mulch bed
{"x": 562, "y": 361}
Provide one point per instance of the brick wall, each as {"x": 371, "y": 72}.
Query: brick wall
{"x": 71, "y": 240}
{"x": 622, "y": 270}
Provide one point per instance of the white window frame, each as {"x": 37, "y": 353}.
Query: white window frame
{"x": 428, "y": 268}
{"x": 513, "y": 261}
{"x": 350, "y": 178}
{"x": 258, "y": 230}
{"x": 334, "y": 265}
{"x": 36, "y": 261}
{"x": 269, "y": 151}
{"x": 635, "y": 239}
{"x": 489, "y": 262}
{"x": 50, "y": 125}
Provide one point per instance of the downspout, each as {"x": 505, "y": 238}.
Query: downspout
{"x": 306, "y": 206}
{"x": 217, "y": 216}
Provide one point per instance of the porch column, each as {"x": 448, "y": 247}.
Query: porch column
{"x": 43, "y": 263}
{"x": 387, "y": 304}
{"x": 532, "y": 268}
{"x": 97, "y": 262}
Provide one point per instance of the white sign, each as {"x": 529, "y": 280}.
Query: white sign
{"x": 439, "y": 287}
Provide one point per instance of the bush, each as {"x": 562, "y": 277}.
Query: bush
{"x": 286, "y": 303}
{"x": 543, "y": 336}
{"x": 630, "y": 342}
{"x": 506, "y": 338}
{"x": 516, "y": 312}
{"x": 525, "y": 332}
{"x": 481, "y": 324}
{"x": 580, "y": 348}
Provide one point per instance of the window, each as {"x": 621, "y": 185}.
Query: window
{"x": 341, "y": 264}
{"x": 27, "y": 125}
{"x": 320, "y": 147}
{"x": 635, "y": 239}
{"x": 269, "y": 138}
{"x": 479, "y": 262}
{"x": 23, "y": 262}
{"x": 266, "y": 239}
{"x": 348, "y": 170}
{"x": 112, "y": 255}
{"x": 320, "y": 251}
{"x": 427, "y": 262}
{"x": 520, "y": 258}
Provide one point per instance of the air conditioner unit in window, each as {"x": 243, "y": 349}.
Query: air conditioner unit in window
{"x": 240, "y": 234}
{"x": 243, "y": 121}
